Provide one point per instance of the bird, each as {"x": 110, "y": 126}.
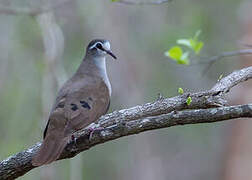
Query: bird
{"x": 81, "y": 101}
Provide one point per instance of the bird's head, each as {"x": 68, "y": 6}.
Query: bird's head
{"x": 99, "y": 48}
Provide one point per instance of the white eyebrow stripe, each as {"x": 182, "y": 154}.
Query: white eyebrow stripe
{"x": 106, "y": 45}
{"x": 95, "y": 45}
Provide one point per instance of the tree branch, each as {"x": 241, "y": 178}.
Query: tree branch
{"x": 28, "y": 11}
{"x": 236, "y": 77}
{"x": 157, "y": 2}
{"x": 210, "y": 61}
{"x": 206, "y": 107}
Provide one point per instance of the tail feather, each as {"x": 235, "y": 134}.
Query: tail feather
{"x": 50, "y": 150}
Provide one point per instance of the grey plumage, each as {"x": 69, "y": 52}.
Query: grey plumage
{"x": 81, "y": 101}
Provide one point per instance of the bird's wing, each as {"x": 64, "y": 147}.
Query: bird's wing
{"x": 79, "y": 107}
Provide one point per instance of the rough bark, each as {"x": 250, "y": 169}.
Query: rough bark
{"x": 206, "y": 107}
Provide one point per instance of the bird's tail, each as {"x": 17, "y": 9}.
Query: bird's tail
{"x": 51, "y": 149}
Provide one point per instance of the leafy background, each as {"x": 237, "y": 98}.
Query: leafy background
{"x": 31, "y": 73}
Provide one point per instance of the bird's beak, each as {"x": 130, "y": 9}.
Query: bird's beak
{"x": 110, "y": 53}
{"x": 106, "y": 48}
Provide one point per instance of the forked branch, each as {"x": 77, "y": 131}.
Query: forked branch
{"x": 206, "y": 107}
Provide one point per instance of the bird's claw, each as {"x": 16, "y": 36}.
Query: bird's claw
{"x": 92, "y": 131}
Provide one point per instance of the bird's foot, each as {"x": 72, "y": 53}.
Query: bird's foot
{"x": 92, "y": 131}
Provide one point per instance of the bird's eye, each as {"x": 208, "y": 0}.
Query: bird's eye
{"x": 99, "y": 46}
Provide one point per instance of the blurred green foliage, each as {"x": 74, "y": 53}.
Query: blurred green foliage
{"x": 176, "y": 53}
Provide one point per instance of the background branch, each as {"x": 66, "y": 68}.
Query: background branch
{"x": 210, "y": 61}
{"x": 36, "y": 11}
{"x": 157, "y": 2}
{"x": 160, "y": 114}
{"x": 29, "y": 11}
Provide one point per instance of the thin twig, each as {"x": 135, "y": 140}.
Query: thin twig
{"x": 157, "y": 2}
{"x": 210, "y": 61}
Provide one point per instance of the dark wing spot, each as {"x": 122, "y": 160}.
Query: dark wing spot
{"x": 74, "y": 107}
{"x": 61, "y": 105}
{"x": 85, "y": 104}
{"x": 90, "y": 99}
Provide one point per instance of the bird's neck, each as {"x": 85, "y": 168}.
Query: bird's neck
{"x": 94, "y": 67}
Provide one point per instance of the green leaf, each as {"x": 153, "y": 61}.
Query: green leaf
{"x": 174, "y": 53}
{"x": 185, "y": 42}
{"x": 189, "y": 100}
{"x": 115, "y": 0}
{"x": 192, "y": 43}
{"x": 198, "y": 47}
{"x": 183, "y": 61}
{"x": 180, "y": 91}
